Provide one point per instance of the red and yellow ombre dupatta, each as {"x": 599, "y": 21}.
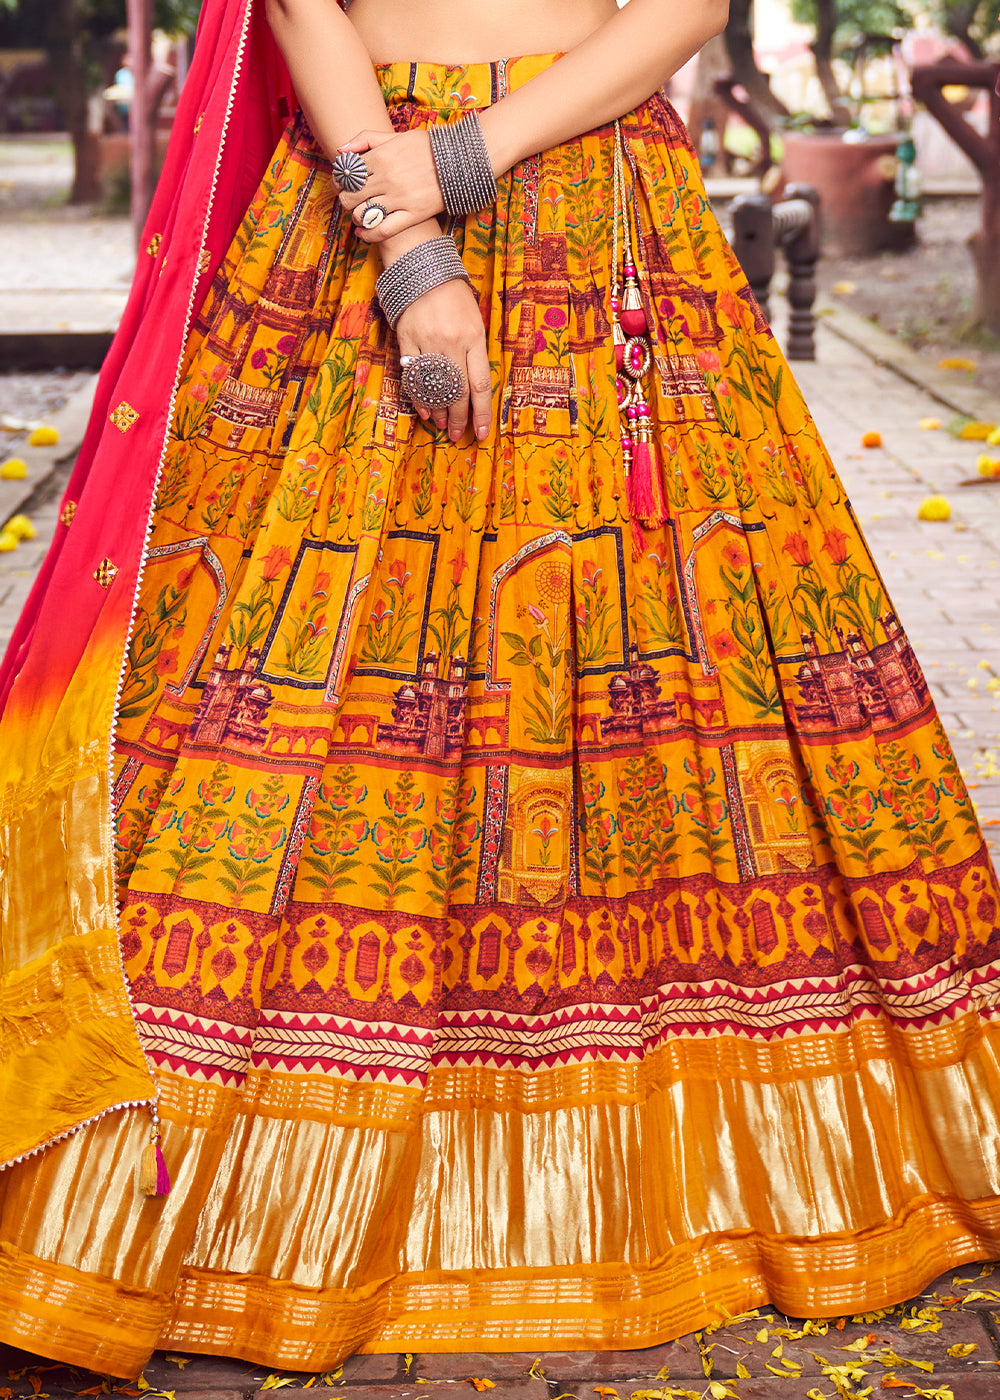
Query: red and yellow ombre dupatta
{"x": 68, "y": 1048}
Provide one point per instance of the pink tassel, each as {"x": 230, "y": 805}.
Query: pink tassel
{"x": 154, "y": 1179}
{"x": 646, "y": 499}
{"x": 640, "y": 483}
{"x": 162, "y": 1175}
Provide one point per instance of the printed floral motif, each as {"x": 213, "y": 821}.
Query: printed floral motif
{"x": 433, "y": 719}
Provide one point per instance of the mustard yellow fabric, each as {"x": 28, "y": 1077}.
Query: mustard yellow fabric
{"x": 541, "y": 931}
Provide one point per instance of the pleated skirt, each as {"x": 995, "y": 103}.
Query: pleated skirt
{"x": 546, "y": 929}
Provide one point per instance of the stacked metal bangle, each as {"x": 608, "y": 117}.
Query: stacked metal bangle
{"x": 463, "y": 165}
{"x": 423, "y": 268}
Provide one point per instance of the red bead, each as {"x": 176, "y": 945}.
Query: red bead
{"x": 634, "y": 322}
{"x": 619, "y": 356}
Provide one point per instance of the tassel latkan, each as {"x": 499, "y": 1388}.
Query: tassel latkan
{"x": 154, "y": 1179}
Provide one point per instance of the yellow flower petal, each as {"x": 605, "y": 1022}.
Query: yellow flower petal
{"x": 929, "y": 425}
{"x": 871, "y": 439}
{"x": 975, "y": 431}
{"x": 8, "y": 542}
{"x": 14, "y": 469}
{"x": 21, "y": 527}
{"x": 844, "y": 289}
{"x": 959, "y": 362}
{"x": 44, "y": 437}
{"x": 934, "y": 508}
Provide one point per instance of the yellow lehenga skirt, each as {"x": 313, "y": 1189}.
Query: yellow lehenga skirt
{"x": 544, "y": 933}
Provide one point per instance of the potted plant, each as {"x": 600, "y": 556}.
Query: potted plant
{"x": 841, "y": 152}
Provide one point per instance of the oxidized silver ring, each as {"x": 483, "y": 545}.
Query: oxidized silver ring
{"x": 433, "y": 380}
{"x": 350, "y": 171}
{"x": 373, "y": 214}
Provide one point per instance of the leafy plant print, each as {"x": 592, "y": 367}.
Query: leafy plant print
{"x": 743, "y": 651}
{"x": 452, "y": 840}
{"x": 704, "y": 800}
{"x": 149, "y": 659}
{"x": 132, "y": 825}
{"x": 853, "y": 806}
{"x": 393, "y": 621}
{"x": 251, "y": 617}
{"x": 197, "y": 402}
{"x": 749, "y": 372}
{"x": 554, "y": 489}
{"x": 546, "y": 704}
{"x": 337, "y": 831}
{"x": 270, "y": 361}
{"x": 597, "y": 827}
{"x": 660, "y": 607}
{"x": 398, "y": 838}
{"x": 718, "y": 386}
{"x": 196, "y": 827}
{"x": 861, "y": 602}
{"x": 303, "y": 638}
{"x": 297, "y": 493}
{"x": 332, "y": 388}
{"x": 449, "y": 624}
{"x": 254, "y": 839}
{"x": 914, "y": 802}
{"x": 596, "y": 617}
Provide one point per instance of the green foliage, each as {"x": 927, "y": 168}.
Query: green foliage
{"x": 177, "y": 16}
{"x": 26, "y": 23}
{"x": 856, "y": 17}
{"x": 969, "y": 20}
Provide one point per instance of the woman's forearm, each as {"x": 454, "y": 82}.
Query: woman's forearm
{"x": 619, "y": 65}
{"x": 336, "y": 86}
{"x": 330, "y": 68}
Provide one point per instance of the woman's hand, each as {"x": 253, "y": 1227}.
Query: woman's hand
{"x": 447, "y": 321}
{"x": 401, "y": 177}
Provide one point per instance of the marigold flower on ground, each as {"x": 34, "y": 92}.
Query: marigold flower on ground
{"x": 44, "y": 437}
{"x": 871, "y": 439}
{"x": 20, "y": 527}
{"x": 973, "y": 430}
{"x": 14, "y": 469}
{"x": 934, "y": 508}
{"x": 8, "y": 542}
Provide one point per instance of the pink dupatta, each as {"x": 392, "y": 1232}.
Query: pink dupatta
{"x": 69, "y": 1051}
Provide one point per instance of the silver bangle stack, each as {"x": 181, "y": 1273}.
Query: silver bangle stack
{"x": 423, "y": 268}
{"x": 463, "y": 165}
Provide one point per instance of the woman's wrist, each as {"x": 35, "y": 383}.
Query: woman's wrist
{"x": 496, "y": 133}
{"x": 400, "y": 243}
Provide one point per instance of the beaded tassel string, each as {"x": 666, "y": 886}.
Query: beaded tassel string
{"x": 154, "y": 1179}
{"x": 633, "y": 361}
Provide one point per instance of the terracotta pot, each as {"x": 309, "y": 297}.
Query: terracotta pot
{"x": 856, "y": 183}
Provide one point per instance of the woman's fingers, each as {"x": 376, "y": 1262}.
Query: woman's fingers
{"x": 408, "y": 346}
{"x": 366, "y": 141}
{"x": 480, "y": 389}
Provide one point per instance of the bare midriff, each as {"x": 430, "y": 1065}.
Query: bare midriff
{"x": 474, "y": 31}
